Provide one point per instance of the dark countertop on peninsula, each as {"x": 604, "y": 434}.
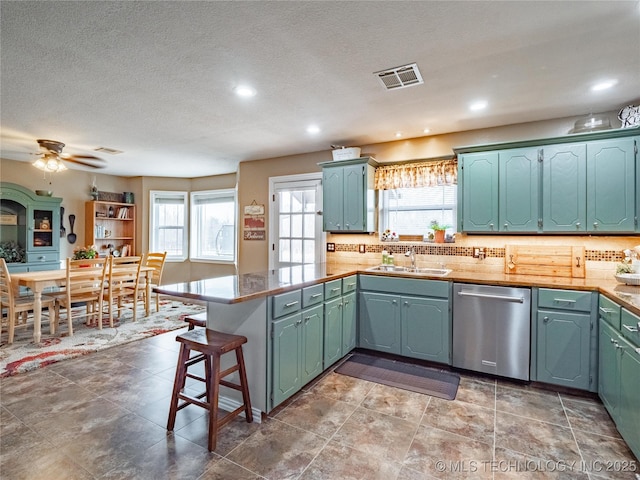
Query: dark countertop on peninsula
{"x": 244, "y": 287}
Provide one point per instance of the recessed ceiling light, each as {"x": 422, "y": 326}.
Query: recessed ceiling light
{"x": 426, "y": 130}
{"x": 603, "y": 85}
{"x": 313, "y": 129}
{"x": 479, "y": 105}
{"x": 398, "y": 134}
{"x": 245, "y": 91}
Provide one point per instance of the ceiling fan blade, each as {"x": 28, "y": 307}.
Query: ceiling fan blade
{"x": 87, "y": 161}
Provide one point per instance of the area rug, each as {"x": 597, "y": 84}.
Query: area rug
{"x": 24, "y": 355}
{"x": 407, "y": 376}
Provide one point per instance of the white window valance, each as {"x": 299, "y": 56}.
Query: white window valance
{"x": 418, "y": 174}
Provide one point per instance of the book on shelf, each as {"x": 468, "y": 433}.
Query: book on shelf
{"x": 123, "y": 212}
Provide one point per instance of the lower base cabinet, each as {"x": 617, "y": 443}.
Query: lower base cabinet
{"x": 412, "y": 326}
{"x": 297, "y": 352}
{"x": 619, "y": 382}
{"x": 339, "y": 328}
{"x": 564, "y": 349}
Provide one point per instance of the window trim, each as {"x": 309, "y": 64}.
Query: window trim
{"x": 221, "y": 192}
{"x": 153, "y": 240}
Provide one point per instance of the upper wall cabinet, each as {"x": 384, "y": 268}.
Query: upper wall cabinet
{"x": 348, "y": 196}
{"x": 588, "y": 183}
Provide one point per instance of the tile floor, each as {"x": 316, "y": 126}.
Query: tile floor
{"x": 104, "y": 416}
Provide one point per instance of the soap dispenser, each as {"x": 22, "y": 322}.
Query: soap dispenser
{"x": 385, "y": 257}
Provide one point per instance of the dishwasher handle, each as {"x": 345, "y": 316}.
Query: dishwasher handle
{"x": 492, "y": 297}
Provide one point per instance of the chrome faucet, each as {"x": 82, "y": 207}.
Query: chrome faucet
{"x": 412, "y": 255}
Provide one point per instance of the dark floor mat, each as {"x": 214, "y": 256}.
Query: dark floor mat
{"x": 407, "y": 376}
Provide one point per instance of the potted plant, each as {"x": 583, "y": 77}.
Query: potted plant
{"x": 81, "y": 253}
{"x": 438, "y": 231}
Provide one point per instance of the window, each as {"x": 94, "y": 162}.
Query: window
{"x": 213, "y": 225}
{"x": 409, "y": 211}
{"x": 168, "y": 229}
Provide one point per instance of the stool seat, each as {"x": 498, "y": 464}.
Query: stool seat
{"x": 197, "y": 320}
{"x": 211, "y": 345}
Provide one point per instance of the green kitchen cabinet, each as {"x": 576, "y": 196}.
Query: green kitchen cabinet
{"x": 609, "y": 368}
{"x": 409, "y": 317}
{"x": 348, "y": 195}
{"x": 518, "y": 190}
{"x": 349, "y": 322}
{"x": 297, "y": 351}
{"x": 332, "y": 331}
{"x": 478, "y": 192}
{"x": 564, "y": 348}
{"x": 380, "y": 322}
{"x": 629, "y": 411}
{"x": 566, "y": 338}
{"x": 564, "y": 188}
{"x": 425, "y": 329}
{"x": 611, "y": 195}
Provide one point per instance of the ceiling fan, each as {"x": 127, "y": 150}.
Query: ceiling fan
{"x": 52, "y": 159}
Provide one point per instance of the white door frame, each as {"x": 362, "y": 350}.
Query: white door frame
{"x": 273, "y": 214}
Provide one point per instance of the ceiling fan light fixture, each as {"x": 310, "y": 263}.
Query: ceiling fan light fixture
{"x": 50, "y": 163}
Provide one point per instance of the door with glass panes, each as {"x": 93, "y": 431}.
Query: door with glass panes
{"x": 296, "y": 233}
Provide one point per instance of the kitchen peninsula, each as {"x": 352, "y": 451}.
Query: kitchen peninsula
{"x": 286, "y": 316}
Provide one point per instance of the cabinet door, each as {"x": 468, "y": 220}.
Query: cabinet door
{"x": 43, "y": 233}
{"x": 608, "y": 368}
{"x": 353, "y": 198}
{"x": 518, "y": 190}
{"x": 348, "y": 323}
{"x": 564, "y": 347}
{"x": 611, "y": 186}
{"x": 564, "y": 188}
{"x": 425, "y": 328}
{"x": 332, "y": 198}
{"x": 332, "y": 331}
{"x": 287, "y": 353}
{"x": 629, "y": 413}
{"x": 380, "y": 322}
{"x": 312, "y": 326}
{"x": 480, "y": 192}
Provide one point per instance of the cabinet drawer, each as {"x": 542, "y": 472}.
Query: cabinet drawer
{"x": 564, "y": 299}
{"x": 349, "y": 284}
{"x": 287, "y": 303}
{"x": 629, "y": 326}
{"x": 312, "y": 295}
{"x": 332, "y": 289}
{"x": 409, "y": 286}
{"x": 44, "y": 257}
{"x": 609, "y": 311}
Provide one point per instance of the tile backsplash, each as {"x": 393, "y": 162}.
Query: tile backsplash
{"x": 602, "y": 253}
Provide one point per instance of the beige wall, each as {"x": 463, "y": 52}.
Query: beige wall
{"x": 253, "y": 185}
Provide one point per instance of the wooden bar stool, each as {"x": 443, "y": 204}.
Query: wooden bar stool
{"x": 196, "y": 320}
{"x": 212, "y": 345}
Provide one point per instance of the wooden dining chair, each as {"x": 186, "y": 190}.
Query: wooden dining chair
{"x": 156, "y": 261}
{"x": 17, "y": 306}
{"x": 85, "y": 283}
{"x": 123, "y": 284}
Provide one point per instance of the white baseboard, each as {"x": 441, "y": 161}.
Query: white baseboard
{"x": 230, "y": 404}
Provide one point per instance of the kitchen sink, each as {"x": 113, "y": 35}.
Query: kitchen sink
{"x": 434, "y": 272}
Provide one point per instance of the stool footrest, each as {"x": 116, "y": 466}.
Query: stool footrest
{"x": 194, "y": 360}
{"x": 231, "y": 385}
{"x": 230, "y": 416}
{"x": 195, "y": 400}
{"x": 229, "y": 371}
{"x": 195, "y": 377}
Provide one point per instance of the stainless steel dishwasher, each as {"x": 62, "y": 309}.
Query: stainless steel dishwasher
{"x": 492, "y": 329}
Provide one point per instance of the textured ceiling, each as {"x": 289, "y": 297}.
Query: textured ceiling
{"x": 155, "y": 79}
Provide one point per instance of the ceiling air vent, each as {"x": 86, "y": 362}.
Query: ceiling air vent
{"x": 400, "y": 77}
{"x": 111, "y": 151}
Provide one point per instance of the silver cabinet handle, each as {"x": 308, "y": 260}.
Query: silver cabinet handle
{"x": 595, "y": 224}
{"x": 335, "y": 289}
{"x": 632, "y": 329}
{"x": 563, "y": 300}
{"x": 578, "y": 225}
{"x": 316, "y": 295}
{"x": 606, "y": 311}
{"x": 491, "y": 226}
{"x": 299, "y": 321}
{"x": 291, "y": 304}
{"x": 351, "y": 284}
{"x": 506, "y": 225}
{"x": 545, "y": 319}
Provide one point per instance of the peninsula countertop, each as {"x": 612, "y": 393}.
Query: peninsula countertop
{"x": 248, "y": 286}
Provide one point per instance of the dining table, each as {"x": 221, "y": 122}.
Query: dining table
{"x": 38, "y": 281}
